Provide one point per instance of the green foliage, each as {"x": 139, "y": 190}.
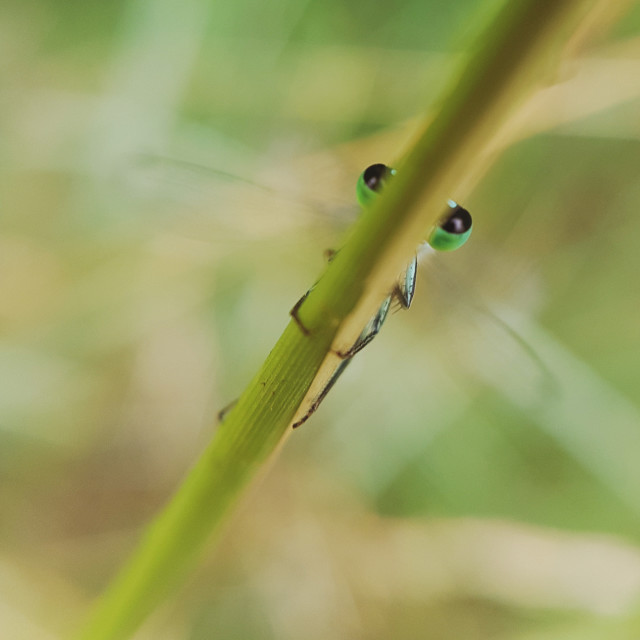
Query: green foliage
{"x": 508, "y": 393}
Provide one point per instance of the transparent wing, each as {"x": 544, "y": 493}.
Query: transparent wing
{"x": 209, "y": 202}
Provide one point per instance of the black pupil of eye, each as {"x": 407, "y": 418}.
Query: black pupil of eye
{"x": 458, "y": 222}
{"x": 375, "y": 176}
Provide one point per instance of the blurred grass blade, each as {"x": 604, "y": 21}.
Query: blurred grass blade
{"x": 522, "y": 43}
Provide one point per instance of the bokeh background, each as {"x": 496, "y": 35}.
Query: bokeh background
{"x": 171, "y": 172}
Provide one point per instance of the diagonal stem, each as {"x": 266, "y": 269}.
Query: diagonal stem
{"x": 511, "y": 55}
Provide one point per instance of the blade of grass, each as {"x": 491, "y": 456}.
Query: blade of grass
{"x": 521, "y": 42}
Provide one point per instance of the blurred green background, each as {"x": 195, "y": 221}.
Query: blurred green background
{"x": 170, "y": 175}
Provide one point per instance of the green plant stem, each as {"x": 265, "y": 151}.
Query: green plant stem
{"x": 503, "y": 68}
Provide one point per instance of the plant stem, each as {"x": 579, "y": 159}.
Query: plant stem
{"x": 504, "y": 66}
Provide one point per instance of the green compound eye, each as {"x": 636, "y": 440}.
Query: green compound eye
{"x": 371, "y": 182}
{"x": 453, "y": 230}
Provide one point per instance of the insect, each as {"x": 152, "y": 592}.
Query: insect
{"x": 451, "y": 232}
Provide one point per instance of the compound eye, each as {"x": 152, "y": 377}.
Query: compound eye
{"x": 371, "y": 182}
{"x": 453, "y": 230}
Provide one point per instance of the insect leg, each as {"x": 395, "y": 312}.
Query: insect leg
{"x": 369, "y": 332}
{"x": 406, "y": 286}
{"x": 294, "y": 313}
{"x": 329, "y": 254}
{"x": 224, "y": 412}
{"x": 402, "y": 292}
{"x": 323, "y": 394}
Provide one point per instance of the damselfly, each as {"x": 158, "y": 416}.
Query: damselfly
{"x": 451, "y": 232}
